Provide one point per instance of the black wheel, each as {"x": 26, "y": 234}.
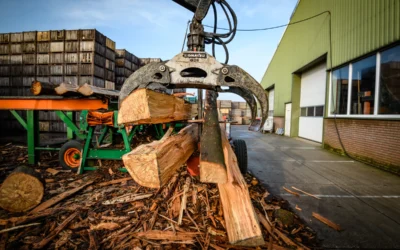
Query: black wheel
{"x": 240, "y": 148}
{"x": 70, "y": 155}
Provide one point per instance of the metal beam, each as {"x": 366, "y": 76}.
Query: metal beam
{"x": 14, "y": 103}
{"x": 19, "y": 118}
{"x": 70, "y": 124}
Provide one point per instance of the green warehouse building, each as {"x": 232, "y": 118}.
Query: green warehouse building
{"x": 335, "y": 78}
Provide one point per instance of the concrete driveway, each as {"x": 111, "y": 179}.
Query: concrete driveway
{"x": 363, "y": 200}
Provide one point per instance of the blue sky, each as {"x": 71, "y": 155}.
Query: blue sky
{"x": 155, "y": 28}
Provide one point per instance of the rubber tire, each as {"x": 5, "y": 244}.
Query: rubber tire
{"x": 240, "y": 148}
{"x": 65, "y": 147}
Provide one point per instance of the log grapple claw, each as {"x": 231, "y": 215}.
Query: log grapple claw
{"x": 200, "y": 70}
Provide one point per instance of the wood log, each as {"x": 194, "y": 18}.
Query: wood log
{"x": 145, "y": 106}
{"x": 67, "y": 89}
{"x": 152, "y": 165}
{"x": 242, "y": 225}
{"x": 88, "y": 90}
{"x": 43, "y": 88}
{"x": 212, "y": 165}
{"x": 22, "y": 190}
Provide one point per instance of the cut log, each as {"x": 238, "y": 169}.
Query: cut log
{"x": 67, "y": 89}
{"x": 88, "y": 90}
{"x": 43, "y": 88}
{"x": 22, "y": 190}
{"x": 152, "y": 165}
{"x": 241, "y": 220}
{"x": 145, "y": 106}
{"x": 212, "y": 165}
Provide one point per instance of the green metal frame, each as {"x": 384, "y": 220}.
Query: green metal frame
{"x": 83, "y": 132}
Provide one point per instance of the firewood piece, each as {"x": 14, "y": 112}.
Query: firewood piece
{"x": 327, "y": 221}
{"x": 18, "y": 227}
{"x": 291, "y": 192}
{"x": 167, "y": 235}
{"x": 145, "y": 106}
{"x": 67, "y": 89}
{"x": 212, "y": 165}
{"x": 273, "y": 231}
{"x": 22, "y": 190}
{"x": 93, "y": 243}
{"x": 55, "y": 232}
{"x": 241, "y": 222}
{"x": 105, "y": 226}
{"x": 88, "y": 90}
{"x": 127, "y": 198}
{"x": 152, "y": 165}
{"x": 184, "y": 200}
{"x": 304, "y": 192}
{"x": 43, "y": 88}
{"x": 102, "y": 184}
{"x": 58, "y": 198}
{"x": 26, "y": 218}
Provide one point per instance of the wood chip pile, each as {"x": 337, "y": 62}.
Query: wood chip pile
{"x": 106, "y": 209}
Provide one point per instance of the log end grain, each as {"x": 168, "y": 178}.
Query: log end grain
{"x": 22, "y": 190}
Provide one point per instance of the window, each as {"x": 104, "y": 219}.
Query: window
{"x": 363, "y": 86}
{"x": 303, "y": 112}
{"x": 340, "y": 88}
{"x": 389, "y": 90}
{"x": 314, "y": 111}
{"x": 310, "y": 111}
{"x": 319, "y": 111}
{"x": 368, "y": 87}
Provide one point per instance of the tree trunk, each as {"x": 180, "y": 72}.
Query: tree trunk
{"x": 152, "y": 165}
{"x": 22, "y": 190}
{"x": 241, "y": 221}
{"x": 212, "y": 166}
{"x": 43, "y": 88}
{"x": 88, "y": 90}
{"x": 145, "y": 106}
{"x": 67, "y": 89}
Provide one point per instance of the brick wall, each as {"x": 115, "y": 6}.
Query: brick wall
{"x": 372, "y": 141}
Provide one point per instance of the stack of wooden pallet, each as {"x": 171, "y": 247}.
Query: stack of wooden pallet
{"x": 76, "y": 56}
{"x": 126, "y": 64}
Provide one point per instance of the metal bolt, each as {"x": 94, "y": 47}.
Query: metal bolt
{"x": 162, "y": 68}
{"x": 225, "y": 71}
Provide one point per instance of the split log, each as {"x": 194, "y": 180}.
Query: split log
{"x": 241, "y": 221}
{"x": 212, "y": 166}
{"x": 43, "y": 88}
{"x": 22, "y": 190}
{"x": 152, "y": 165}
{"x": 88, "y": 90}
{"x": 67, "y": 89}
{"x": 145, "y": 106}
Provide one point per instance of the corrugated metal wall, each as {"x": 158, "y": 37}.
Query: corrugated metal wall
{"x": 358, "y": 28}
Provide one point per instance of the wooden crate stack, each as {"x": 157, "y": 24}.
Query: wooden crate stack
{"x": 236, "y": 111}
{"x": 126, "y": 64}
{"x": 76, "y": 56}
